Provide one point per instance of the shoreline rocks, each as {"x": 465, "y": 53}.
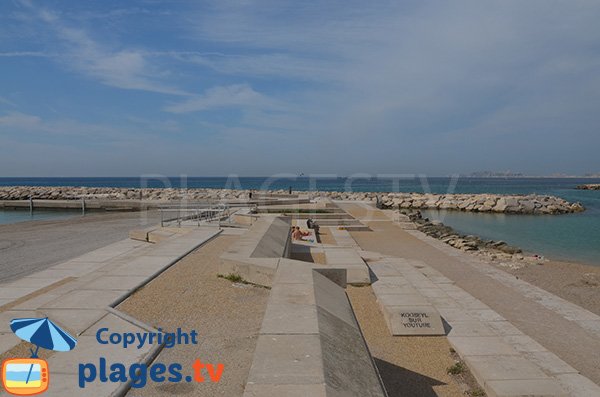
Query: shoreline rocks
{"x": 495, "y": 251}
{"x": 491, "y": 203}
{"x": 589, "y": 186}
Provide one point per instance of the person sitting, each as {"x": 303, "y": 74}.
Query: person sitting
{"x": 299, "y": 234}
{"x": 312, "y": 225}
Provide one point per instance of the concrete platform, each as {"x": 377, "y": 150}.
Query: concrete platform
{"x": 503, "y": 360}
{"x": 310, "y": 342}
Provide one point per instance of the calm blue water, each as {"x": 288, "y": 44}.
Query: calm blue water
{"x": 14, "y": 216}
{"x": 572, "y": 237}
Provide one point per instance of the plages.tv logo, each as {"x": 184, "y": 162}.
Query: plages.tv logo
{"x": 29, "y": 376}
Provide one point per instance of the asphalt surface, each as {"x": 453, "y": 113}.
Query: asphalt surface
{"x": 28, "y": 247}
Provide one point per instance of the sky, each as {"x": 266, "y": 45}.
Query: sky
{"x": 255, "y": 88}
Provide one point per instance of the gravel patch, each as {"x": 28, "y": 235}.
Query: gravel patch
{"x": 226, "y": 315}
{"x": 411, "y": 365}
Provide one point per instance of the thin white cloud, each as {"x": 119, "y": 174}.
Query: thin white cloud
{"x": 126, "y": 69}
{"x": 7, "y": 102}
{"x": 220, "y": 97}
{"x": 18, "y": 54}
{"x": 19, "y": 120}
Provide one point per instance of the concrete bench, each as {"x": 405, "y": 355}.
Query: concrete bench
{"x": 255, "y": 256}
{"x": 347, "y": 258}
{"x": 310, "y": 343}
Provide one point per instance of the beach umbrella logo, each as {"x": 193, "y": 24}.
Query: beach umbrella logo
{"x": 29, "y": 376}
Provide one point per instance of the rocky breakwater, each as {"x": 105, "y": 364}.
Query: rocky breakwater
{"x": 510, "y": 204}
{"x": 532, "y": 204}
{"x": 110, "y": 193}
{"x": 589, "y": 186}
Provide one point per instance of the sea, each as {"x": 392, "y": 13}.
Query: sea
{"x": 571, "y": 237}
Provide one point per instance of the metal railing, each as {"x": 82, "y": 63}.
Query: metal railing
{"x": 199, "y": 213}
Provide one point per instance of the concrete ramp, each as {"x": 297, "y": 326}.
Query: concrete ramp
{"x": 256, "y": 255}
{"x": 310, "y": 343}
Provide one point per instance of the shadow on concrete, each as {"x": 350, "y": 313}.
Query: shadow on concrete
{"x": 401, "y": 382}
{"x": 447, "y": 327}
{"x": 372, "y": 275}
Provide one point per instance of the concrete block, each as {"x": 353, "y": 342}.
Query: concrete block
{"x": 578, "y": 385}
{"x": 348, "y": 367}
{"x": 358, "y": 274}
{"x": 384, "y": 270}
{"x": 84, "y": 299}
{"x": 402, "y": 300}
{"x": 413, "y": 320}
{"x": 122, "y": 283}
{"x": 445, "y": 303}
{"x": 14, "y": 293}
{"x": 391, "y": 289}
{"x": 338, "y": 276}
{"x": 453, "y": 314}
{"x": 333, "y": 299}
{"x": 35, "y": 302}
{"x": 470, "y": 328}
{"x": 287, "y": 360}
{"x": 485, "y": 315}
{"x": 524, "y": 388}
{"x": 32, "y": 282}
{"x": 290, "y": 319}
{"x": 487, "y": 368}
{"x": 523, "y": 343}
{"x": 275, "y": 240}
{"x": 550, "y": 363}
{"x": 262, "y": 390}
{"x": 503, "y": 328}
{"x": 291, "y": 271}
{"x": 158, "y": 236}
{"x": 481, "y": 346}
{"x": 433, "y": 293}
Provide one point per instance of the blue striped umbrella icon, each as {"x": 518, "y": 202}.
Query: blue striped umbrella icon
{"x": 43, "y": 333}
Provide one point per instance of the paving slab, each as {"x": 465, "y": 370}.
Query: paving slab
{"x": 75, "y": 320}
{"x": 290, "y": 319}
{"x": 470, "y": 328}
{"x": 7, "y": 316}
{"x": 578, "y": 385}
{"x": 402, "y": 300}
{"x": 8, "y": 340}
{"x": 14, "y": 293}
{"x": 287, "y": 360}
{"x": 262, "y": 390}
{"x": 550, "y": 363}
{"x": 62, "y": 385}
{"x": 481, "y": 346}
{"x": 84, "y": 299}
{"x": 523, "y": 343}
{"x": 122, "y": 283}
{"x": 31, "y": 282}
{"x": 486, "y": 368}
{"x": 525, "y": 388}
{"x": 35, "y": 302}
{"x": 503, "y": 328}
